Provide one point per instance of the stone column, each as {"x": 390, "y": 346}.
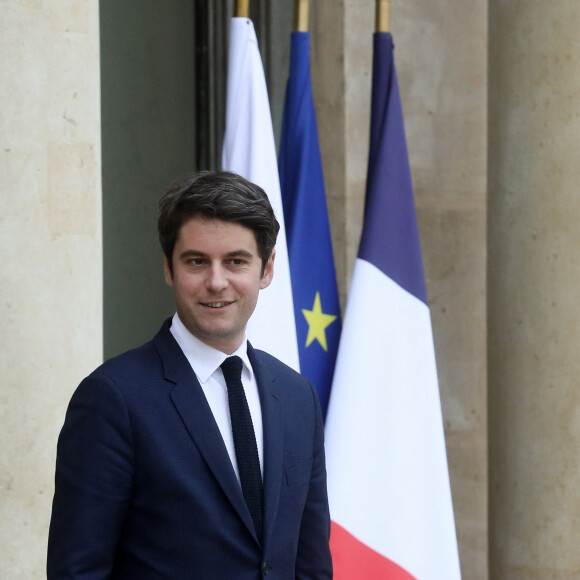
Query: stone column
{"x": 533, "y": 286}
{"x": 50, "y": 250}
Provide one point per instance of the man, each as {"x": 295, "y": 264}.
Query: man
{"x": 151, "y": 479}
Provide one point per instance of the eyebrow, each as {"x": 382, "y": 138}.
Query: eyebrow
{"x": 233, "y": 254}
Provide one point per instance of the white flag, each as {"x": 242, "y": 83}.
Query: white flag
{"x": 250, "y": 151}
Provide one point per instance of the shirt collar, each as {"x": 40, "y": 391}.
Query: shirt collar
{"x": 205, "y": 359}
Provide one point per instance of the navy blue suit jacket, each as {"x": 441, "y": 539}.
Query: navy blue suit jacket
{"x": 145, "y": 488}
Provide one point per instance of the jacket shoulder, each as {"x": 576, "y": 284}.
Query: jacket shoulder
{"x": 140, "y": 359}
{"x": 274, "y": 365}
{"x": 143, "y": 363}
{"x": 273, "y": 371}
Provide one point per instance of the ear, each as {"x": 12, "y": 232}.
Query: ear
{"x": 268, "y": 271}
{"x": 167, "y": 272}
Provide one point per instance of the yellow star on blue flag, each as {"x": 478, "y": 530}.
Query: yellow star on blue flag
{"x": 317, "y": 323}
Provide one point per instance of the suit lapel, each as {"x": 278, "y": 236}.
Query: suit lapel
{"x": 273, "y": 424}
{"x": 192, "y": 406}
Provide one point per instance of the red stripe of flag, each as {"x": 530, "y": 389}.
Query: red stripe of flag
{"x": 353, "y": 560}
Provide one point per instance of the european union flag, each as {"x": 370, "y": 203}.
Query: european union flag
{"x": 312, "y": 272}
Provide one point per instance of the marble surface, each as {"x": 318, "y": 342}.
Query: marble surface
{"x": 534, "y": 276}
{"x": 50, "y": 244}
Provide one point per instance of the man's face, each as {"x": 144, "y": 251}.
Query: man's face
{"x": 217, "y": 275}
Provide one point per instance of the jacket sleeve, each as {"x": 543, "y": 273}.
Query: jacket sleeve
{"x": 313, "y": 561}
{"x": 93, "y": 482}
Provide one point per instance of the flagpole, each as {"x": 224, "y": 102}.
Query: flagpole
{"x": 242, "y": 9}
{"x": 301, "y": 15}
{"x": 383, "y": 15}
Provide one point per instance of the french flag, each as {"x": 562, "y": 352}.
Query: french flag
{"x": 388, "y": 481}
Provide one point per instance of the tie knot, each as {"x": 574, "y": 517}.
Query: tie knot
{"x": 232, "y": 369}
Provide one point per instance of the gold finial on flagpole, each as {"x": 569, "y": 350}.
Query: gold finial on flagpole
{"x": 383, "y": 15}
{"x": 242, "y": 9}
{"x": 301, "y": 15}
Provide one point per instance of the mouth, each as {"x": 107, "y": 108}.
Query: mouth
{"x": 216, "y": 305}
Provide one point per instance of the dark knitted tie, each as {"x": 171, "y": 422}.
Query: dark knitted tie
{"x": 244, "y": 440}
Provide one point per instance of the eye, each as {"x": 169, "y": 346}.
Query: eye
{"x": 196, "y": 261}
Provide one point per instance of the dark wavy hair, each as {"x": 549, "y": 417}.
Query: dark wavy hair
{"x": 219, "y": 195}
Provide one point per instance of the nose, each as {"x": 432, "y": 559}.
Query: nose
{"x": 217, "y": 278}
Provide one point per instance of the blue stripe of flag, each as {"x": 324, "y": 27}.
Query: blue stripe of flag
{"x": 390, "y": 239}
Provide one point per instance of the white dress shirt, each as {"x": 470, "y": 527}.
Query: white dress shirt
{"x": 205, "y": 362}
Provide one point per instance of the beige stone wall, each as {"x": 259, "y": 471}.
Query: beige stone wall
{"x": 534, "y": 280}
{"x": 50, "y": 250}
{"x": 441, "y": 59}
{"x": 441, "y": 52}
